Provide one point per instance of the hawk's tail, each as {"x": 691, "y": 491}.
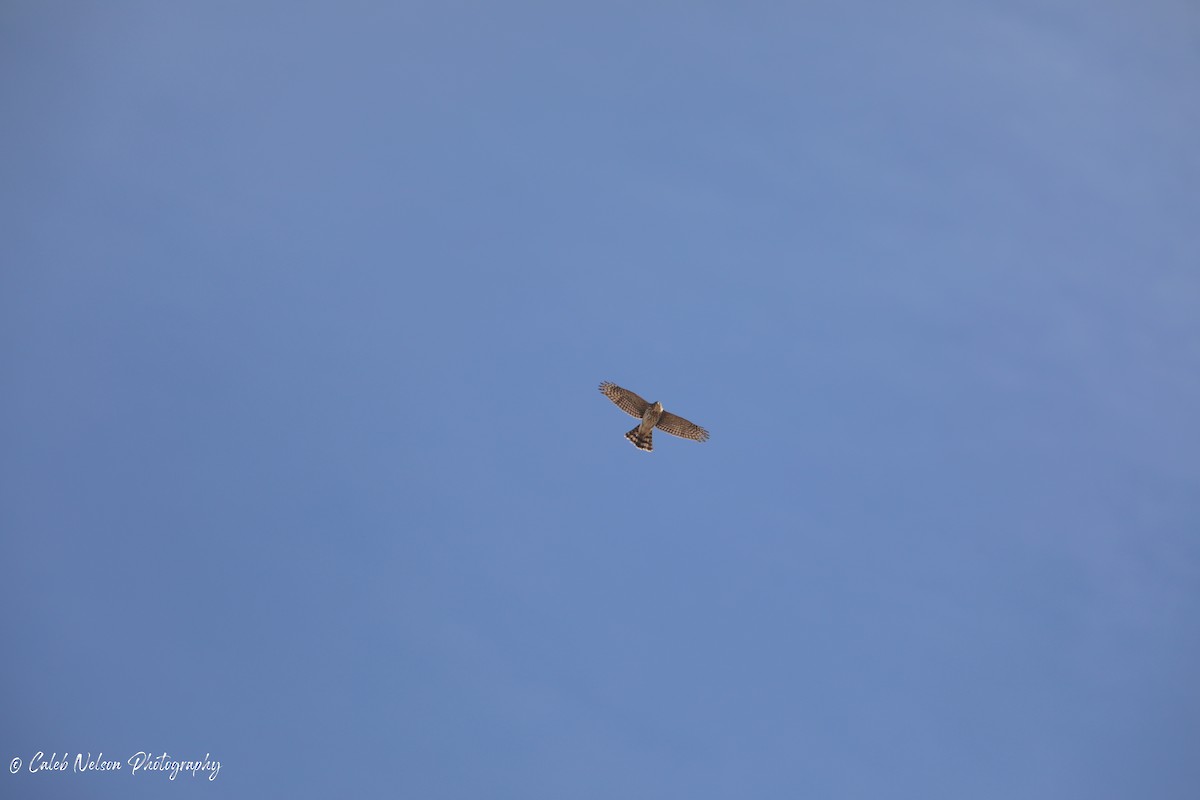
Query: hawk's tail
{"x": 641, "y": 442}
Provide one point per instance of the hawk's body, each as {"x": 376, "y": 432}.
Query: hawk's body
{"x": 652, "y": 416}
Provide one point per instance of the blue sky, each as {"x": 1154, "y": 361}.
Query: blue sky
{"x": 303, "y": 466}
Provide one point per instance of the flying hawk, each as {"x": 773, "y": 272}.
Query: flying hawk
{"x": 652, "y": 416}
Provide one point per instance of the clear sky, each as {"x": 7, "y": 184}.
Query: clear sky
{"x": 303, "y": 308}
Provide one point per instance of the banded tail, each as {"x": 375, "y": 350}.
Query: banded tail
{"x": 639, "y": 441}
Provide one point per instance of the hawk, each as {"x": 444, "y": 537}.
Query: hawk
{"x": 652, "y": 416}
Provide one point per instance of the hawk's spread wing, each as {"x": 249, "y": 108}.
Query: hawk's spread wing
{"x": 626, "y": 400}
{"x": 678, "y": 426}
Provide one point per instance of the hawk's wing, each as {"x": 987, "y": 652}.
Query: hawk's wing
{"x": 626, "y": 400}
{"x": 678, "y": 426}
